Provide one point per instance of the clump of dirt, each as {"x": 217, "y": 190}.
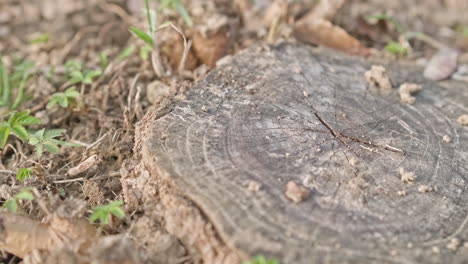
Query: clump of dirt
{"x": 377, "y": 76}
{"x": 406, "y": 90}
{"x": 296, "y": 192}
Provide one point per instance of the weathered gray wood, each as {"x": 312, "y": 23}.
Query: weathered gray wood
{"x": 252, "y": 120}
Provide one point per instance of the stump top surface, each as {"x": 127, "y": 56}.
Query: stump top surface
{"x": 290, "y": 113}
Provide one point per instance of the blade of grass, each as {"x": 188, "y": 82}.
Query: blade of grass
{"x": 6, "y": 91}
{"x": 19, "y": 96}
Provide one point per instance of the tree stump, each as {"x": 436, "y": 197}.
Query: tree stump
{"x": 385, "y": 187}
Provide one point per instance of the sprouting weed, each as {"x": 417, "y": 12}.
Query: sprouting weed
{"x": 12, "y": 204}
{"x": 45, "y": 140}
{"x": 64, "y": 98}
{"x": 16, "y": 125}
{"x": 104, "y": 212}
{"x": 23, "y": 174}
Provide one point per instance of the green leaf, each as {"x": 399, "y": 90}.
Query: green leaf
{"x": 11, "y": 205}
{"x": 103, "y": 60}
{"x": 23, "y": 174}
{"x": 19, "y": 95}
{"x": 51, "y": 147}
{"x": 42, "y": 38}
{"x": 76, "y": 77}
{"x": 261, "y": 260}
{"x": 53, "y": 133}
{"x": 89, "y": 75}
{"x": 53, "y": 102}
{"x": 396, "y": 48}
{"x": 145, "y": 52}
{"x": 126, "y": 53}
{"x": 28, "y": 120}
{"x": 4, "y": 132}
{"x": 20, "y": 132}
{"x": 95, "y": 216}
{"x": 72, "y": 92}
{"x": 143, "y": 36}
{"x": 25, "y": 194}
{"x": 39, "y": 150}
{"x": 183, "y": 13}
{"x": 62, "y": 100}
{"x": 5, "y": 88}
{"x": 72, "y": 66}
{"x": 151, "y": 21}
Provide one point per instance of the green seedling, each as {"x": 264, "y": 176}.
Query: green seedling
{"x": 103, "y": 60}
{"x": 42, "y": 38}
{"x": 149, "y": 38}
{"x": 12, "y": 204}
{"x": 104, "y": 212}
{"x": 17, "y": 80}
{"x": 85, "y": 77}
{"x": 45, "y": 139}
{"x": 179, "y": 7}
{"x": 126, "y": 53}
{"x": 145, "y": 52}
{"x": 396, "y": 48}
{"x": 16, "y": 125}
{"x": 23, "y": 174}
{"x": 261, "y": 260}
{"x": 72, "y": 66}
{"x": 64, "y": 99}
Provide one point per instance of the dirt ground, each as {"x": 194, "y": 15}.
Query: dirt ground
{"x": 51, "y": 34}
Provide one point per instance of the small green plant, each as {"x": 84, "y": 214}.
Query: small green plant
{"x": 177, "y": 5}
{"x": 72, "y": 66}
{"x": 64, "y": 98}
{"x": 12, "y": 204}
{"x": 42, "y": 38}
{"x": 17, "y": 80}
{"x": 104, "y": 212}
{"x": 23, "y": 174}
{"x": 16, "y": 125}
{"x": 45, "y": 139}
{"x": 103, "y": 60}
{"x": 261, "y": 260}
{"x": 126, "y": 53}
{"x": 76, "y": 74}
{"x": 149, "y": 37}
{"x": 396, "y": 48}
{"x": 404, "y": 37}
{"x": 85, "y": 77}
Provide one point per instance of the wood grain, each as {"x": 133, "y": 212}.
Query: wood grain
{"x": 292, "y": 113}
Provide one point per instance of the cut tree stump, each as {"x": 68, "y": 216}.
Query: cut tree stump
{"x": 292, "y": 113}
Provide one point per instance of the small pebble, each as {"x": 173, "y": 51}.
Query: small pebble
{"x": 447, "y": 139}
{"x": 296, "y": 192}
{"x": 254, "y": 186}
{"x": 424, "y": 189}
{"x": 454, "y": 244}
{"x": 463, "y": 120}
{"x": 406, "y": 176}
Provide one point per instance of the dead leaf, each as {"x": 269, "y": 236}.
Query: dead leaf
{"x": 442, "y": 65}
{"x": 325, "y": 9}
{"x": 211, "y": 48}
{"x": 323, "y": 32}
{"x": 172, "y": 46}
